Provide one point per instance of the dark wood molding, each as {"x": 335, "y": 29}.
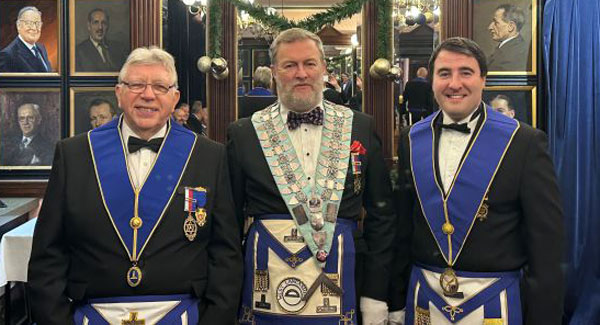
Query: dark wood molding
{"x": 17, "y": 188}
{"x": 377, "y": 93}
{"x": 456, "y": 18}
{"x": 145, "y": 23}
{"x": 221, "y": 95}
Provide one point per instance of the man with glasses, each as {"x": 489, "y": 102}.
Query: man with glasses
{"x": 29, "y": 147}
{"x": 97, "y": 53}
{"x": 137, "y": 224}
{"x": 24, "y": 54}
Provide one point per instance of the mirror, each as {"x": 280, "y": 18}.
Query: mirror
{"x": 342, "y": 57}
{"x": 416, "y": 34}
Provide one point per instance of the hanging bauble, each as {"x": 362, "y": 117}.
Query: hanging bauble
{"x": 218, "y": 68}
{"x": 410, "y": 21}
{"x": 395, "y": 72}
{"x": 429, "y": 17}
{"x": 420, "y": 19}
{"x": 382, "y": 66}
{"x": 203, "y": 64}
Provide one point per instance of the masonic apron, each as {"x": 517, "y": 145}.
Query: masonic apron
{"x": 299, "y": 267}
{"x": 135, "y": 213}
{"x": 449, "y": 296}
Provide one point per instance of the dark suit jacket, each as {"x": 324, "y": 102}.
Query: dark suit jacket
{"x": 87, "y": 58}
{"x": 333, "y": 96}
{"x": 16, "y": 57}
{"x": 255, "y": 193}
{"x": 14, "y": 153}
{"x": 523, "y": 229}
{"x": 194, "y": 124}
{"x": 77, "y": 253}
{"x": 418, "y": 96}
{"x": 247, "y": 105}
{"x": 512, "y": 56}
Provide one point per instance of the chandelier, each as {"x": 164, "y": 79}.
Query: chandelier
{"x": 410, "y": 14}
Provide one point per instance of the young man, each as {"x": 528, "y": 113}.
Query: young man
{"x": 137, "y": 224}
{"x": 304, "y": 168}
{"x": 480, "y": 221}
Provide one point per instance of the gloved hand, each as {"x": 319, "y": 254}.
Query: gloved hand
{"x": 396, "y": 317}
{"x": 374, "y": 312}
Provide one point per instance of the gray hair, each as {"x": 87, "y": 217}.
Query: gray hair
{"x": 28, "y": 8}
{"x": 150, "y": 56}
{"x": 262, "y": 77}
{"x": 292, "y": 35}
{"x": 514, "y": 14}
{"x": 35, "y": 108}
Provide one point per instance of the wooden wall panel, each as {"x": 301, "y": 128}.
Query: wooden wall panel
{"x": 145, "y": 22}
{"x": 221, "y": 95}
{"x": 377, "y": 93}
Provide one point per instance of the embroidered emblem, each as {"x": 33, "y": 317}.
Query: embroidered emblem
{"x": 290, "y": 294}
{"x": 133, "y": 320}
{"x": 452, "y": 310}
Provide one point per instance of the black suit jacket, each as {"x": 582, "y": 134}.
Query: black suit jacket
{"x": 418, "y": 96}
{"x": 16, "y": 57}
{"x": 512, "y": 56}
{"x": 255, "y": 193}
{"x": 13, "y": 153}
{"x": 88, "y": 59}
{"x": 77, "y": 254}
{"x": 523, "y": 229}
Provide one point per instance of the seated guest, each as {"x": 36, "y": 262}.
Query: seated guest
{"x": 262, "y": 82}
{"x": 137, "y": 225}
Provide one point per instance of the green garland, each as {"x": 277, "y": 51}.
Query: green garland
{"x": 315, "y": 23}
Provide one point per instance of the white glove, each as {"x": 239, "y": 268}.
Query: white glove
{"x": 374, "y": 312}
{"x": 396, "y": 317}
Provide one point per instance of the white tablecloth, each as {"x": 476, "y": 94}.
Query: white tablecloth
{"x": 15, "y": 249}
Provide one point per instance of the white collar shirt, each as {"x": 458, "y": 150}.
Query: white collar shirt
{"x": 140, "y": 162}
{"x": 306, "y": 140}
{"x": 98, "y": 48}
{"x": 452, "y": 145}
{"x": 507, "y": 40}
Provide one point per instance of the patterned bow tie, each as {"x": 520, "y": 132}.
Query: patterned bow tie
{"x": 134, "y": 144}
{"x": 462, "y": 127}
{"x": 313, "y": 117}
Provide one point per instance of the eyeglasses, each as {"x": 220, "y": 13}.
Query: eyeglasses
{"x": 138, "y": 88}
{"x": 31, "y": 23}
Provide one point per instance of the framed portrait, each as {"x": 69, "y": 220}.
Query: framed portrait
{"x": 260, "y": 58}
{"x": 245, "y": 62}
{"x": 518, "y": 102}
{"x": 30, "y": 37}
{"x": 506, "y": 32}
{"x": 100, "y": 36}
{"x": 91, "y": 107}
{"x": 29, "y": 127}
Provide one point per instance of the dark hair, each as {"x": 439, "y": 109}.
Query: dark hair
{"x": 514, "y": 14}
{"x": 100, "y": 101}
{"x": 97, "y": 10}
{"x": 460, "y": 45}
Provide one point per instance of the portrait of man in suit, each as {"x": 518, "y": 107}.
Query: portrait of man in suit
{"x": 512, "y": 52}
{"x": 24, "y": 53}
{"x": 28, "y": 147}
{"x": 502, "y": 104}
{"x": 97, "y": 53}
{"x": 101, "y": 112}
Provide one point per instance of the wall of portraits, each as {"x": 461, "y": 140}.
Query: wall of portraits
{"x": 59, "y": 61}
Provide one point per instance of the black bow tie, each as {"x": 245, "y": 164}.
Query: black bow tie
{"x": 462, "y": 127}
{"x": 313, "y": 117}
{"x": 134, "y": 144}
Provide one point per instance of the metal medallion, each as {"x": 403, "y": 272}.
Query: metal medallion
{"x": 449, "y": 282}
{"x": 200, "y": 215}
{"x": 134, "y": 276}
{"x": 190, "y": 228}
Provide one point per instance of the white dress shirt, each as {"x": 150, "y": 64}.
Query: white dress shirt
{"x": 140, "y": 162}
{"x": 451, "y": 148}
{"x": 99, "y": 49}
{"x": 307, "y": 142}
